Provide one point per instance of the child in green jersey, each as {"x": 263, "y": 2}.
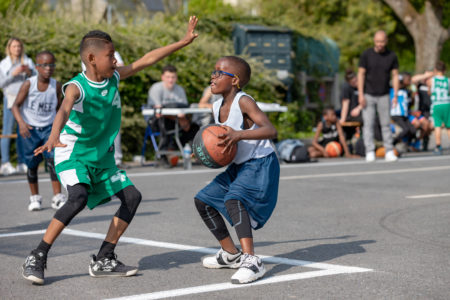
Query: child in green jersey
{"x": 440, "y": 103}
{"x": 83, "y": 137}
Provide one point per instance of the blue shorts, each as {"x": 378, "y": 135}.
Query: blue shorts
{"x": 254, "y": 183}
{"x": 39, "y": 136}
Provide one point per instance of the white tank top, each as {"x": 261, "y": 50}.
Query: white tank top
{"x": 247, "y": 149}
{"x": 39, "y": 109}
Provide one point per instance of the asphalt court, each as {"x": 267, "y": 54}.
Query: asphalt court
{"x": 341, "y": 229}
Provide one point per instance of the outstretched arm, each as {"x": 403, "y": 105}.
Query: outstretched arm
{"x": 156, "y": 55}
{"x": 72, "y": 94}
{"x": 422, "y": 77}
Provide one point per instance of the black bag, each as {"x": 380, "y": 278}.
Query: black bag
{"x": 300, "y": 154}
{"x": 292, "y": 151}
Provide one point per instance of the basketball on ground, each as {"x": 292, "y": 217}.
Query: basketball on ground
{"x": 381, "y": 152}
{"x": 334, "y": 149}
{"x": 207, "y": 151}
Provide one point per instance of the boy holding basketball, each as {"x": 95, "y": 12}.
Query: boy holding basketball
{"x": 83, "y": 137}
{"x": 246, "y": 192}
{"x": 331, "y": 131}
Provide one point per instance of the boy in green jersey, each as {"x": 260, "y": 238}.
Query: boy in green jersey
{"x": 440, "y": 103}
{"x": 83, "y": 135}
{"x": 438, "y": 89}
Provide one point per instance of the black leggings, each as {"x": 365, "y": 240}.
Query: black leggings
{"x": 130, "y": 198}
{"x": 215, "y": 223}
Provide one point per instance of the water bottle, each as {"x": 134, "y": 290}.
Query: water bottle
{"x": 187, "y": 151}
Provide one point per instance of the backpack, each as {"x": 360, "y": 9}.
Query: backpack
{"x": 292, "y": 151}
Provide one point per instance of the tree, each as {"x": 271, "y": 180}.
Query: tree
{"x": 424, "y": 22}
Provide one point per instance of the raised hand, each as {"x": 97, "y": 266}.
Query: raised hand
{"x": 190, "y": 35}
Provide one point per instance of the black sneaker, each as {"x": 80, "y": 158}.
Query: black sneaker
{"x": 33, "y": 268}
{"x": 110, "y": 267}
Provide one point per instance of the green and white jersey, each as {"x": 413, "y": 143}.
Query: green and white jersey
{"x": 439, "y": 90}
{"x": 92, "y": 125}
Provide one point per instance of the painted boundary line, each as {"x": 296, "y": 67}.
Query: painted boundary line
{"x": 380, "y": 172}
{"x": 283, "y": 166}
{"x": 324, "y": 268}
{"x": 294, "y": 177}
{"x": 428, "y": 196}
{"x": 226, "y": 286}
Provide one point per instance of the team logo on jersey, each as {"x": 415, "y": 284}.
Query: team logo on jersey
{"x": 104, "y": 92}
{"x": 118, "y": 176}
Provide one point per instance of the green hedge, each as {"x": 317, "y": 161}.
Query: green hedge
{"x": 49, "y": 31}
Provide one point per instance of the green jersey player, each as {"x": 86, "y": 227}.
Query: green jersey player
{"x": 83, "y": 135}
{"x": 438, "y": 88}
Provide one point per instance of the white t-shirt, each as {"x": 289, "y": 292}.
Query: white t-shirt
{"x": 39, "y": 108}
{"x": 247, "y": 149}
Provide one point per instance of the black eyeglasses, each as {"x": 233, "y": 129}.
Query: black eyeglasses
{"x": 46, "y": 65}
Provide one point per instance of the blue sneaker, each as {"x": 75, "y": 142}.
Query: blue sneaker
{"x": 438, "y": 150}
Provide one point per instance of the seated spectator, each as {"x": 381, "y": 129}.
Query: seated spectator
{"x": 331, "y": 131}
{"x": 399, "y": 114}
{"x": 424, "y": 106}
{"x": 208, "y": 98}
{"x": 167, "y": 93}
{"x": 350, "y": 108}
{"x": 422, "y": 125}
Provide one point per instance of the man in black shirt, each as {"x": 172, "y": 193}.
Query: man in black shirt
{"x": 375, "y": 68}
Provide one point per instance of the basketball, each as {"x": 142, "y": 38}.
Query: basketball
{"x": 334, "y": 149}
{"x": 380, "y": 152}
{"x": 206, "y": 150}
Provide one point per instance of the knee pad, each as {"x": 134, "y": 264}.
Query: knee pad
{"x": 130, "y": 198}
{"x": 213, "y": 220}
{"x": 51, "y": 168}
{"x": 32, "y": 175}
{"x": 240, "y": 218}
{"x": 76, "y": 202}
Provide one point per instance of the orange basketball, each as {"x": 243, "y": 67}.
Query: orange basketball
{"x": 334, "y": 149}
{"x": 380, "y": 152}
{"x": 206, "y": 149}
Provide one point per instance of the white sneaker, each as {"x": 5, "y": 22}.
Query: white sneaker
{"x": 251, "y": 269}
{"x": 390, "y": 156}
{"x": 35, "y": 203}
{"x": 7, "y": 169}
{"x": 223, "y": 259}
{"x": 58, "y": 201}
{"x": 370, "y": 156}
{"x": 21, "y": 168}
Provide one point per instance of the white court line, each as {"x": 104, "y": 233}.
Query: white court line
{"x": 325, "y": 269}
{"x": 22, "y": 233}
{"x": 144, "y": 242}
{"x": 283, "y": 166}
{"x": 267, "y": 259}
{"x": 226, "y": 286}
{"x": 346, "y": 174}
{"x": 428, "y": 196}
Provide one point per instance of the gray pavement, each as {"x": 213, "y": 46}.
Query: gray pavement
{"x": 342, "y": 229}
